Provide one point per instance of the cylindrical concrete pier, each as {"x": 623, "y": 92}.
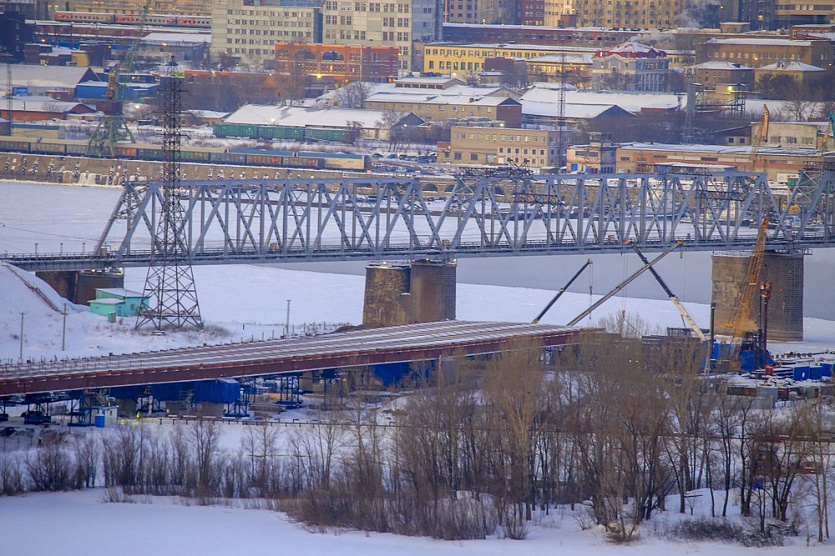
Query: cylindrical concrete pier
{"x": 785, "y": 310}
{"x": 402, "y": 293}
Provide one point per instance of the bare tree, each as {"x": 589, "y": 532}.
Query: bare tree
{"x": 354, "y": 94}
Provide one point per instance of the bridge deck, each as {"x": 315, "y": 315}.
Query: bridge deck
{"x": 415, "y": 342}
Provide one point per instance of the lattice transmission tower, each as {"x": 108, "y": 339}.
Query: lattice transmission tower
{"x": 170, "y": 287}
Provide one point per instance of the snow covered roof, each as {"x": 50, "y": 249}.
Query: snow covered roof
{"x": 179, "y": 38}
{"x": 418, "y": 81}
{"x": 760, "y": 42}
{"x": 48, "y": 77}
{"x": 720, "y": 149}
{"x": 441, "y": 99}
{"x": 209, "y": 114}
{"x": 631, "y": 48}
{"x": 791, "y": 66}
{"x": 47, "y": 104}
{"x": 296, "y": 116}
{"x": 567, "y": 58}
{"x": 121, "y": 292}
{"x": 107, "y": 301}
{"x": 631, "y": 102}
{"x": 718, "y": 65}
{"x": 572, "y": 111}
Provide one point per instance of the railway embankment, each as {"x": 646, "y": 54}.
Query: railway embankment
{"x": 80, "y": 170}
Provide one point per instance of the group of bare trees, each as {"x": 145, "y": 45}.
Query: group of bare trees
{"x": 609, "y": 426}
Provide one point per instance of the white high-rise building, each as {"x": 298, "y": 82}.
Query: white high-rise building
{"x": 383, "y": 23}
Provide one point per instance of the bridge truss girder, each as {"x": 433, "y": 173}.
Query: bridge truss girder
{"x": 253, "y": 220}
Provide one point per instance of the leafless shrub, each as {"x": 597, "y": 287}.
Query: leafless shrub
{"x": 50, "y": 468}
{"x": 11, "y": 475}
{"x": 116, "y": 495}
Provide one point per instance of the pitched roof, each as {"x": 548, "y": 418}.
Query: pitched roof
{"x": 295, "y": 116}
{"x": 48, "y": 77}
{"x": 791, "y": 66}
{"x": 719, "y": 65}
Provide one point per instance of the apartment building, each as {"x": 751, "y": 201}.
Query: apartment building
{"x": 711, "y": 74}
{"x": 137, "y": 7}
{"x": 804, "y": 12}
{"x": 248, "y": 30}
{"x": 383, "y": 23}
{"x": 470, "y": 145}
{"x": 339, "y": 64}
{"x": 631, "y": 67}
{"x": 628, "y": 14}
{"x": 468, "y": 59}
{"x": 775, "y": 162}
{"x": 756, "y": 52}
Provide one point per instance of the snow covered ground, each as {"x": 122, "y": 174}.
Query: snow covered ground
{"x": 67, "y": 523}
{"x": 250, "y": 301}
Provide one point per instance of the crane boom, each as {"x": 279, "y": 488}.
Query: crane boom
{"x": 562, "y": 291}
{"x": 625, "y": 283}
{"x": 684, "y": 314}
{"x": 112, "y": 127}
{"x": 743, "y": 322}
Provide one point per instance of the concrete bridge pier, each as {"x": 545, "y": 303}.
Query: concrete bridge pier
{"x": 408, "y": 293}
{"x": 79, "y": 286}
{"x": 785, "y": 309}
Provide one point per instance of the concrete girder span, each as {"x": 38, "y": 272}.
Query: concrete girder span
{"x": 246, "y": 221}
{"x": 414, "y": 342}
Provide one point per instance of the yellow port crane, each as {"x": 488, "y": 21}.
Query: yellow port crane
{"x": 743, "y": 322}
{"x": 762, "y": 135}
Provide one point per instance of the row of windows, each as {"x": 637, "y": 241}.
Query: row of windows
{"x": 454, "y": 66}
{"x": 504, "y": 137}
{"x": 268, "y": 13}
{"x": 299, "y": 34}
{"x": 266, "y": 33}
{"x": 332, "y": 6}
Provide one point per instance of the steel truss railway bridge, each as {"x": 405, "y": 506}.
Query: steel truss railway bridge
{"x": 397, "y": 344}
{"x": 503, "y": 213}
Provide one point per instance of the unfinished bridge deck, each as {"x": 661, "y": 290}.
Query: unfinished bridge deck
{"x": 358, "y": 348}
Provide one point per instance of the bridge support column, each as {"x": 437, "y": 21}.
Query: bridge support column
{"x": 423, "y": 291}
{"x": 79, "y": 286}
{"x": 785, "y": 310}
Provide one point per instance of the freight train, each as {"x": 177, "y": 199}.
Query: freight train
{"x": 243, "y": 157}
{"x": 164, "y": 20}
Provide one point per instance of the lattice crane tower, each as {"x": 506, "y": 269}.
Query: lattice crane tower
{"x": 170, "y": 287}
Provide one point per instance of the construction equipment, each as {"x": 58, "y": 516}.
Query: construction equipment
{"x": 112, "y": 127}
{"x": 625, "y": 283}
{"x": 832, "y": 123}
{"x": 684, "y": 314}
{"x": 562, "y": 291}
{"x": 743, "y": 324}
{"x": 762, "y": 135}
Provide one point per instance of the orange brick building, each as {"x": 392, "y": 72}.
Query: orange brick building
{"x": 340, "y": 63}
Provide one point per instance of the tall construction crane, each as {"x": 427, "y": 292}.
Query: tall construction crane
{"x": 113, "y": 128}
{"x": 762, "y": 135}
{"x": 684, "y": 314}
{"x": 562, "y": 291}
{"x": 625, "y": 283}
{"x": 743, "y": 323}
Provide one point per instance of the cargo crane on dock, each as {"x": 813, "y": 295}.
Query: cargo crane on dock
{"x": 113, "y": 128}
